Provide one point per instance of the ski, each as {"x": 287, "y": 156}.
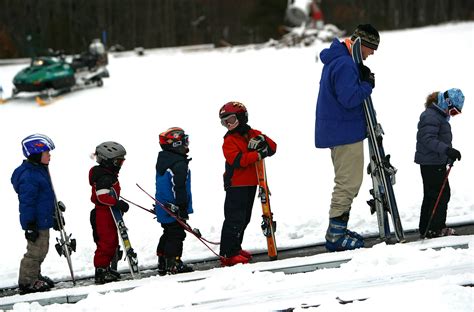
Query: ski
{"x": 122, "y": 230}
{"x": 380, "y": 169}
{"x": 65, "y": 244}
{"x": 183, "y": 223}
{"x": 268, "y": 224}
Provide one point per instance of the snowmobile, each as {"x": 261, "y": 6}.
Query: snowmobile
{"x": 54, "y": 75}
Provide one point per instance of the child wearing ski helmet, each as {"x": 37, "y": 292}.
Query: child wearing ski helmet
{"x": 433, "y": 152}
{"x": 242, "y": 147}
{"x": 32, "y": 183}
{"x": 173, "y": 187}
{"x": 103, "y": 179}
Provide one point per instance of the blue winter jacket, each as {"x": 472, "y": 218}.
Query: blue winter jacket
{"x": 433, "y": 137}
{"x": 35, "y": 193}
{"x": 173, "y": 183}
{"x": 340, "y": 115}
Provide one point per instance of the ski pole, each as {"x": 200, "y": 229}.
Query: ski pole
{"x": 450, "y": 165}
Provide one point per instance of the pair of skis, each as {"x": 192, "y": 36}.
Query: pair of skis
{"x": 65, "y": 244}
{"x": 380, "y": 169}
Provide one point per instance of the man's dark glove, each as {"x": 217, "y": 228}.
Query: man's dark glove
{"x": 61, "y": 206}
{"x": 122, "y": 206}
{"x": 453, "y": 154}
{"x": 367, "y": 75}
{"x": 257, "y": 143}
{"x": 31, "y": 232}
{"x": 263, "y": 152}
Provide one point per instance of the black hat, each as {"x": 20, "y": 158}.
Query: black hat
{"x": 368, "y": 35}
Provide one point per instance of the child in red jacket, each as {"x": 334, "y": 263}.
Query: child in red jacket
{"x": 243, "y": 147}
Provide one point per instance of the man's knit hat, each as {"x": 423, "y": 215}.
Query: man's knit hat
{"x": 368, "y": 35}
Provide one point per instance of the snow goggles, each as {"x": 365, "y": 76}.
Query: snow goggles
{"x": 184, "y": 141}
{"x": 228, "y": 120}
{"x": 452, "y": 109}
{"x": 118, "y": 162}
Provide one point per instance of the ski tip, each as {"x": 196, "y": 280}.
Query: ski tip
{"x": 40, "y": 101}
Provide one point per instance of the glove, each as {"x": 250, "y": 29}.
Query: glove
{"x": 183, "y": 212}
{"x": 257, "y": 143}
{"x": 263, "y": 152}
{"x": 61, "y": 206}
{"x": 56, "y": 225}
{"x": 122, "y": 206}
{"x": 367, "y": 75}
{"x": 453, "y": 154}
{"x": 31, "y": 232}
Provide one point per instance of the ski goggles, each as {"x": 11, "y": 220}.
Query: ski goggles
{"x": 184, "y": 141}
{"x": 452, "y": 109}
{"x": 118, "y": 162}
{"x": 228, "y": 120}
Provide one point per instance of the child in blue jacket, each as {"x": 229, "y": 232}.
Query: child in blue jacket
{"x": 433, "y": 152}
{"x": 173, "y": 186}
{"x": 32, "y": 183}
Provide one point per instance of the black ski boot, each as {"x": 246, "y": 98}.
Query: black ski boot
{"x": 174, "y": 265}
{"x": 161, "y": 266}
{"x": 47, "y": 280}
{"x": 36, "y": 286}
{"x": 114, "y": 273}
{"x": 104, "y": 275}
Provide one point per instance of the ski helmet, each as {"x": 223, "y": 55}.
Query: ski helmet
{"x": 110, "y": 153}
{"x": 36, "y": 144}
{"x": 174, "y": 139}
{"x": 230, "y": 109}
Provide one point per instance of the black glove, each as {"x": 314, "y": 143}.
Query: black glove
{"x": 179, "y": 211}
{"x": 453, "y": 154}
{"x": 257, "y": 143}
{"x": 122, "y": 206}
{"x": 61, "y": 206}
{"x": 367, "y": 75}
{"x": 31, "y": 232}
{"x": 263, "y": 152}
{"x": 183, "y": 212}
{"x": 56, "y": 225}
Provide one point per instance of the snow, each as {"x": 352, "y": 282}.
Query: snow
{"x": 146, "y": 95}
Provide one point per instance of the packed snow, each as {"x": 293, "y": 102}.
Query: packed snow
{"x": 146, "y": 95}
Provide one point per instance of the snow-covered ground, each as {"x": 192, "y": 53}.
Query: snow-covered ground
{"x": 146, "y": 95}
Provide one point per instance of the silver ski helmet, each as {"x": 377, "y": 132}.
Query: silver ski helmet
{"x": 36, "y": 144}
{"x": 110, "y": 154}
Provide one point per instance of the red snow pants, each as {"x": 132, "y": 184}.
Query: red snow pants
{"x": 105, "y": 236}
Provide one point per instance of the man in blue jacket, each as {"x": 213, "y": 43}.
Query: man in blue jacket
{"x": 32, "y": 183}
{"x": 341, "y": 126}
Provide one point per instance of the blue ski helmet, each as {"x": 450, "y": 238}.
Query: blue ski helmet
{"x": 36, "y": 144}
{"x": 450, "y": 98}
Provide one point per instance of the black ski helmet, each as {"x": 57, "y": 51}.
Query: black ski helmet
{"x": 110, "y": 154}
{"x": 175, "y": 140}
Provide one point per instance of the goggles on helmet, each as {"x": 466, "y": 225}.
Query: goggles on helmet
{"x": 452, "y": 109}
{"x": 184, "y": 141}
{"x": 229, "y": 120}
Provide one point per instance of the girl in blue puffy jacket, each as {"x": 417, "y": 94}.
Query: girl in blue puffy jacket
{"x": 433, "y": 152}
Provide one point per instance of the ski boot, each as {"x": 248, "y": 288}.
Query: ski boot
{"x": 174, "y": 265}
{"x": 230, "y": 261}
{"x": 36, "y": 286}
{"x": 47, "y": 280}
{"x": 339, "y": 238}
{"x": 104, "y": 275}
{"x": 245, "y": 253}
{"x": 161, "y": 266}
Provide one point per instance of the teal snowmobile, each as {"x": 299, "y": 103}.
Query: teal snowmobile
{"x": 55, "y": 75}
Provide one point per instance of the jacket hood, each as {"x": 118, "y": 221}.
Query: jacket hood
{"x": 167, "y": 159}
{"x": 337, "y": 49}
{"x": 19, "y": 172}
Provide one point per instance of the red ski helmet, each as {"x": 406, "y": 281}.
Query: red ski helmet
{"x": 233, "y": 108}
{"x": 174, "y": 139}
